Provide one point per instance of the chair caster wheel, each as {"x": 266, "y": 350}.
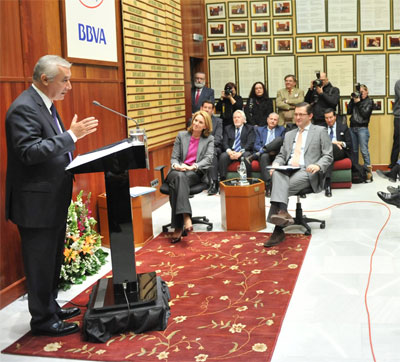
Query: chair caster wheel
{"x": 209, "y": 228}
{"x": 165, "y": 229}
{"x": 307, "y": 232}
{"x": 322, "y": 226}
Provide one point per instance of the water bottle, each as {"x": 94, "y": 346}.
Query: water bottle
{"x": 243, "y": 171}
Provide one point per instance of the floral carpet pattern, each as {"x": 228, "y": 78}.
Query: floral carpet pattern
{"x": 229, "y": 295}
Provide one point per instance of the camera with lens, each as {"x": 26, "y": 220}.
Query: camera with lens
{"x": 228, "y": 91}
{"x": 357, "y": 93}
{"x": 317, "y": 82}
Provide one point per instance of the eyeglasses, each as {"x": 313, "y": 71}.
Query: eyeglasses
{"x": 300, "y": 114}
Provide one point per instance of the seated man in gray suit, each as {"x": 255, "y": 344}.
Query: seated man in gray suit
{"x": 308, "y": 147}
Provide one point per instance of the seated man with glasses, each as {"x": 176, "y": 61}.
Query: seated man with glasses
{"x": 308, "y": 149}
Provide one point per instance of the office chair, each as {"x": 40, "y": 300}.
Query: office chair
{"x": 195, "y": 189}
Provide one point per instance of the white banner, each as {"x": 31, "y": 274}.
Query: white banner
{"x": 91, "y": 29}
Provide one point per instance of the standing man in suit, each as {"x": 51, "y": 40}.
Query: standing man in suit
{"x": 200, "y": 92}
{"x": 208, "y": 107}
{"x": 309, "y": 148}
{"x": 269, "y": 140}
{"x": 340, "y": 136}
{"x": 39, "y": 190}
{"x": 238, "y": 141}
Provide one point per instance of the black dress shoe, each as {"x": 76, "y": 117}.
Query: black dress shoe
{"x": 392, "y": 199}
{"x": 328, "y": 191}
{"x": 390, "y": 175}
{"x": 57, "y": 329}
{"x": 276, "y": 238}
{"x": 394, "y": 190}
{"x": 67, "y": 313}
{"x": 213, "y": 190}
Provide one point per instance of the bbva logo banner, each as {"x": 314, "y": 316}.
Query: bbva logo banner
{"x": 91, "y": 30}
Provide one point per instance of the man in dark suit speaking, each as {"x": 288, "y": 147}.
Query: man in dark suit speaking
{"x": 38, "y": 190}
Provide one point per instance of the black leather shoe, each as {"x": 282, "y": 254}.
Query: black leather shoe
{"x": 276, "y": 238}
{"x": 392, "y": 199}
{"x": 328, "y": 191}
{"x": 57, "y": 329}
{"x": 390, "y": 175}
{"x": 68, "y": 313}
{"x": 213, "y": 190}
{"x": 394, "y": 190}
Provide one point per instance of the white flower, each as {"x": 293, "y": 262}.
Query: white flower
{"x": 224, "y": 297}
{"x": 270, "y": 322}
{"x": 190, "y": 285}
{"x": 259, "y": 347}
{"x": 101, "y": 351}
{"x": 52, "y": 347}
{"x": 234, "y": 267}
{"x": 256, "y": 271}
{"x": 201, "y": 357}
{"x": 272, "y": 252}
{"x": 179, "y": 319}
{"x": 216, "y": 246}
{"x": 252, "y": 238}
{"x": 237, "y": 328}
{"x": 225, "y": 241}
{"x": 292, "y": 266}
{"x": 170, "y": 284}
{"x": 241, "y": 309}
{"x": 163, "y": 355}
{"x": 226, "y": 281}
{"x": 238, "y": 246}
{"x": 260, "y": 291}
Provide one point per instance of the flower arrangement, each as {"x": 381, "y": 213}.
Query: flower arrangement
{"x": 83, "y": 254}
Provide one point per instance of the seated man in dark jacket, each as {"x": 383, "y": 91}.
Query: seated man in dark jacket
{"x": 238, "y": 141}
{"x": 268, "y": 142}
{"x": 321, "y": 98}
{"x": 340, "y": 136}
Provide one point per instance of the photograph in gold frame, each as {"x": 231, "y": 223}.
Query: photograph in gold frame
{"x": 283, "y": 45}
{"x": 216, "y": 11}
{"x": 217, "y": 47}
{"x": 282, "y": 8}
{"x": 373, "y": 42}
{"x": 216, "y": 29}
{"x": 259, "y": 8}
{"x": 328, "y": 43}
{"x": 261, "y": 46}
{"x": 378, "y": 106}
{"x": 305, "y": 44}
{"x": 260, "y": 27}
{"x": 238, "y": 28}
{"x": 237, "y": 9}
{"x": 239, "y": 46}
{"x": 351, "y": 43}
{"x": 282, "y": 26}
{"x": 393, "y": 42}
{"x": 390, "y": 105}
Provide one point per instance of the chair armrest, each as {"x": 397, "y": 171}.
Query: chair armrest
{"x": 161, "y": 169}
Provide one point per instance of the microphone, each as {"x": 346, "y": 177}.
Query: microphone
{"x": 112, "y": 110}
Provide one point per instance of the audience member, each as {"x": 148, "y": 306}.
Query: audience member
{"x": 340, "y": 136}
{"x": 269, "y": 140}
{"x": 308, "y": 148}
{"x": 286, "y": 100}
{"x": 191, "y": 157}
{"x": 258, "y": 106}
{"x": 360, "y": 110}
{"x": 200, "y": 92}
{"x": 238, "y": 141}
{"x": 208, "y": 107}
{"x": 321, "y": 98}
{"x": 229, "y": 102}
{"x": 396, "y": 132}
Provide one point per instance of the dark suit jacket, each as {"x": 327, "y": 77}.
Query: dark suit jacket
{"x": 38, "y": 190}
{"x": 262, "y": 134}
{"x": 343, "y": 134}
{"x": 205, "y": 152}
{"x": 247, "y": 137}
{"x": 217, "y": 131}
{"x": 206, "y": 94}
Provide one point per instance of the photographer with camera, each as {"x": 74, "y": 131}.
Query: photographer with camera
{"x": 286, "y": 100}
{"x": 360, "y": 110}
{"x": 258, "y": 106}
{"x": 322, "y": 95}
{"x": 229, "y": 102}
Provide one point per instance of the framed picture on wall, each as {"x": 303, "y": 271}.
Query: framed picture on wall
{"x": 216, "y": 11}
{"x": 373, "y": 42}
{"x": 217, "y": 47}
{"x": 283, "y": 45}
{"x": 259, "y": 8}
{"x": 238, "y": 28}
{"x": 390, "y": 105}
{"x": 393, "y": 41}
{"x": 305, "y": 44}
{"x": 239, "y": 46}
{"x": 328, "y": 43}
{"x": 345, "y": 104}
{"x": 282, "y": 26}
{"x": 216, "y": 29}
{"x": 260, "y": 27}
{"x": 282, "y": 8}
{"x": 351, "y": 43}
{"x": 379, "y": 106}
{"x": 261, "y": 46}
{"x": 237, "y": 9}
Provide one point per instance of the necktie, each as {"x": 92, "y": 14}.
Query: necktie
{"x": 297, "y": 149}
{"x": 197, "y": 96}
{"x": 270, "y": 137}
{"x": 331, "y": 133}
{"x": 236, "y": 145}
{"x": 54, "y": 114}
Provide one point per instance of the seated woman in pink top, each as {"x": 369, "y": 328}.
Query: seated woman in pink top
{"x": 191, "y": 157}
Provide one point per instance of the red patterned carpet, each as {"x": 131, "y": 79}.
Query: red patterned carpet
{"x": 229, "y": 296}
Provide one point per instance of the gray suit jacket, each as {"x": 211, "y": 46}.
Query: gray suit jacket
{"x": 317, "y": 151}
{"x": 205, "y": 152}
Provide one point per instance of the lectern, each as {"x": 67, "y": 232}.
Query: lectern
{"x": 121, "y": 302}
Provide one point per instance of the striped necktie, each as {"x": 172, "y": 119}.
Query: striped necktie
{"x": 331, "y": 133}
{"x": 236, "y": 145}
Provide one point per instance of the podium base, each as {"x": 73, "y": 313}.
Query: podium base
{"x": 106, "y": 315}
